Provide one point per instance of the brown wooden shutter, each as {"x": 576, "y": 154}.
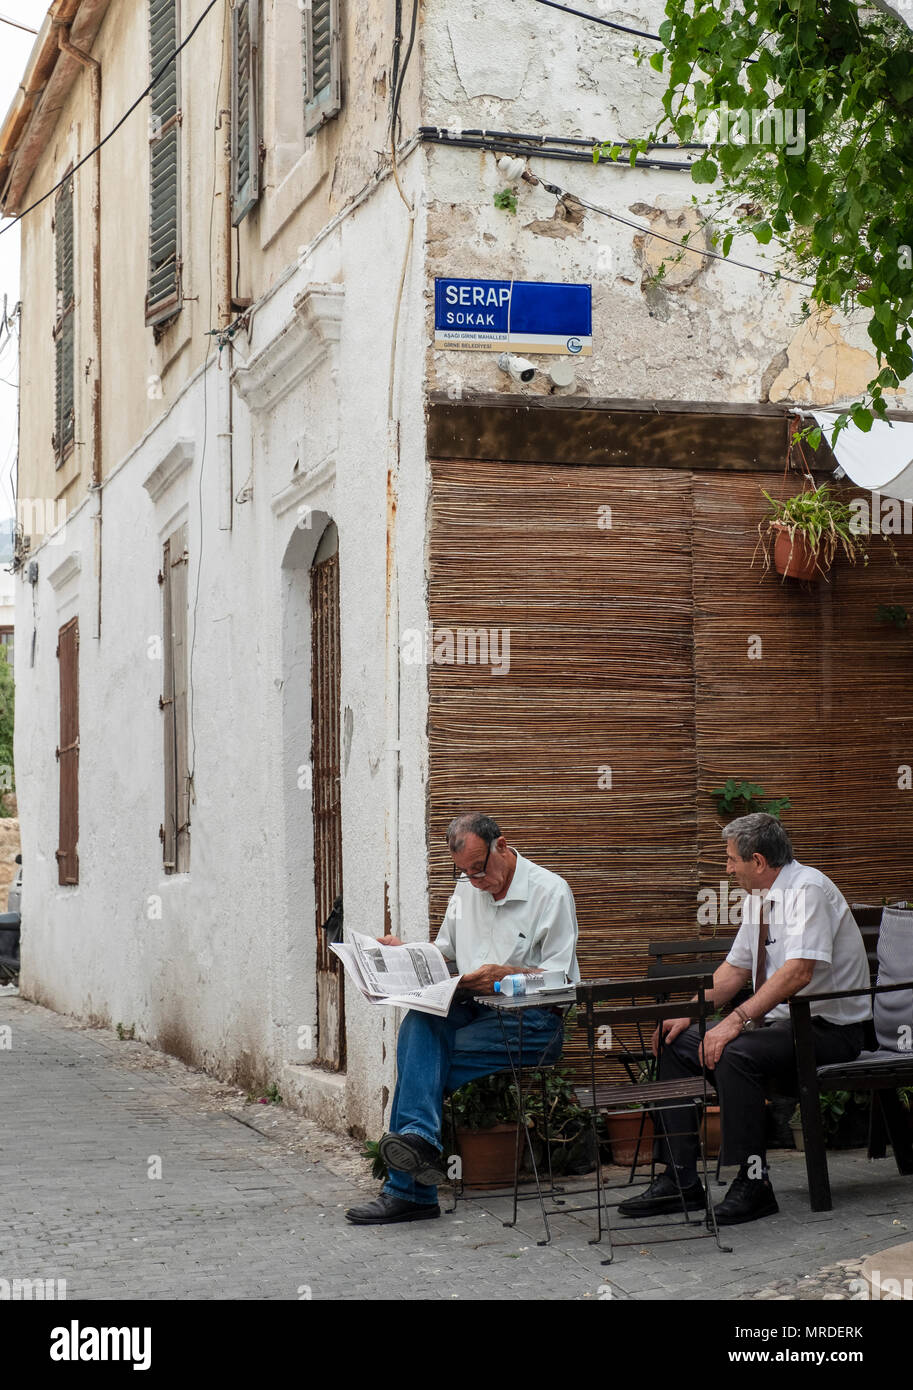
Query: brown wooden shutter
{"x": 67, "y": 752}
{"x": 176, "y": 825}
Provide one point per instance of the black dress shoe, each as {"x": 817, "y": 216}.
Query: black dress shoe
{"x": 386, "y": 1208}
{"x": 748, "y": 1199}
{"x": 409, "y": 1153}
{"x": 663, "y": 1197}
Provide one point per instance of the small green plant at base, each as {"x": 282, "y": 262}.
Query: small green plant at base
{"x": 892, "y": 613}
{"x": 506, "y": 200}
{"x": 371, "y": 1152}
{"x": 270, "y": 1097}
{"x": 834, "y": 1105}
{"x": 742, "y": 798}
{"x": 124, "y": 1033}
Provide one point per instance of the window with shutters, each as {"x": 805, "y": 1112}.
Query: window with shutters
{"x": 321, "y": 57}
{"x": 67, "y": 752}
{"x": 64, "y": 326}
{"x": 163, "y": 295}
{"x": 245, "y": 108}
{"x": 175, "y": 829}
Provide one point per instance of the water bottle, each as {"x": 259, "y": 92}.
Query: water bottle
{"x": 529, "y": 984}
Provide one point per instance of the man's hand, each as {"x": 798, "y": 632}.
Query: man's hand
{"x": 482, "y": 981}
{"x": 671, "y": 1029}
{"x": 389, "y": 941}
{"x": 716, "y": 1039}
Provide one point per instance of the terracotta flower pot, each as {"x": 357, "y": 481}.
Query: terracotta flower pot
{"x": 623, "y": 1131}
{"x": 711, "y": 1129}
{"x": 794, "y": 557}
{"x": 488, "y": 1155}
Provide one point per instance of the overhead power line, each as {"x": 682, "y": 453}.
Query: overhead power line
{"x": 597, "y": 19}
{"x": 115, "y": 128}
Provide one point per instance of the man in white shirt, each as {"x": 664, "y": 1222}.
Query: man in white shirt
{"x": 798, "y": 936}
{"x": 507, "y": 916}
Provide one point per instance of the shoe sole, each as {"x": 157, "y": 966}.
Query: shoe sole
{"x": 404, "y": 1159}
{"x": 723, "y": 1220}
{"x": 662, "y": 1206}
{"x": 392, "y": 1220}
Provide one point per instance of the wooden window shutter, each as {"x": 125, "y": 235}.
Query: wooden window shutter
{"x": 321, "y": 51}
{"x": 175, "y": 831}
{"x": 163, "y": 296}
{"x": 67, "y": 752}
{"x": 64, "y": 325}
{"x": 245, "y": 105}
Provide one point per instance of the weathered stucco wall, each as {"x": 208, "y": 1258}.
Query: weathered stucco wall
{"x": 698, "y": 330}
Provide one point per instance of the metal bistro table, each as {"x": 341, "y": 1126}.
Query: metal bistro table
{"x": 509, "y": 1004}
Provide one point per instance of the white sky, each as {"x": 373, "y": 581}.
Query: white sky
{"x": 15, "y": 47}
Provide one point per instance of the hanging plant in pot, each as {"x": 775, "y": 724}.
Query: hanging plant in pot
{"x": 802, "y": 535}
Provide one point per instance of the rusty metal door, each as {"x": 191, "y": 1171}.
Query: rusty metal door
{"x": 326, "y": 800}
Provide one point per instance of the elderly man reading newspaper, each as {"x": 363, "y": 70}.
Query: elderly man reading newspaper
{"x": 507, "y": 916}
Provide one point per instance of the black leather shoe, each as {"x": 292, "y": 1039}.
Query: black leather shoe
{"x": 748, "y": 1199}
{"x": 409, "y": 1153}
{"x": 385, "y": 1209}
{"x": 663, "y": 1197}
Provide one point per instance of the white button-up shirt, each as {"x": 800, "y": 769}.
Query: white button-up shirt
{"x": 810, "y": 919}
{"x": 533, "y": 926}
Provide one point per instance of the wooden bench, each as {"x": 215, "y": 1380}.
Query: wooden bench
{"x": 879, "y": 1069}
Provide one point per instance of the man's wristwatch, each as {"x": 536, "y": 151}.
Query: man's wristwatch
{"x": 747, "y": 1023}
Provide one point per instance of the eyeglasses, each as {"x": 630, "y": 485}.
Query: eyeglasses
{"x": 459, "y": 873}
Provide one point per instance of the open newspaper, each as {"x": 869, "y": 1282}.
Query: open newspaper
{"x": 410, "y": 977}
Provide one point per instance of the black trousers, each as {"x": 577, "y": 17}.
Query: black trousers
{"x": 746, "y": 1066}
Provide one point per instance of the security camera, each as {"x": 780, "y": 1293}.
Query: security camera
{"x": 517, "y": 367}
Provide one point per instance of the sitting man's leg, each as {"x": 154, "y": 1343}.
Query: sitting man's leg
{"x": 675, "y": 1126}
{"x": 434, "y": 1055}
{"x": 423, "y": 1054}
{"x": 747, "y": 1063}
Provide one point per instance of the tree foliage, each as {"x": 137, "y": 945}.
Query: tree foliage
{"x": 840, "y": 209}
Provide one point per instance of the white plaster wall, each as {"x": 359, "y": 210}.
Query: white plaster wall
{"x": 225, "y": 977}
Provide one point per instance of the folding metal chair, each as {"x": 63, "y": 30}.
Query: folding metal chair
{"x": 600, "y": 1023}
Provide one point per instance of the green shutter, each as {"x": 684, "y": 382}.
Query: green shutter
{"x": 163, "y": 297}
{"x": 320, "y": 48}
{"x": 245, "y": 126}
{"x": 65, "y": 323}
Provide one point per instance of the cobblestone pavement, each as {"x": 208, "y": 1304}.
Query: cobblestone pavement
{"x": 251, "y": 1198}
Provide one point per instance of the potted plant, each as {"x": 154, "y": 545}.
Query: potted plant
{"x": 484, "y": 1117}
{"x": 624, "y": 1129}
{"x": 805, "y": 533}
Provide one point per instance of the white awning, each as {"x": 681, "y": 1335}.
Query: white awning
{"x": 881, "y": 460}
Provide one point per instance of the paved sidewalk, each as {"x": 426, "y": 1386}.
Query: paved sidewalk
{"x": 251, "y": 1197}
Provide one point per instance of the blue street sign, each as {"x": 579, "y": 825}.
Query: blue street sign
{"x": 522, "y": 315}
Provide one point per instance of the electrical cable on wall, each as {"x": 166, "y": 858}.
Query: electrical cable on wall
{"x": 597, "y": 19}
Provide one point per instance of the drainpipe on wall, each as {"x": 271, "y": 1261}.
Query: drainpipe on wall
{"x": 224, "y": 444}
{"x": 63, "y": 41}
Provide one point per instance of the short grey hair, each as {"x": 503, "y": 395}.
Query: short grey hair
{"x": 471, "y": 823}
{"x": 760, "y": 833}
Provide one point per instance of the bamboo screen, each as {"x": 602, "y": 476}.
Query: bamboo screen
{"x": 629, "y": 651}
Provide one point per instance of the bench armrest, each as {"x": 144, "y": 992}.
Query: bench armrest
{"x": 847, "y": 993}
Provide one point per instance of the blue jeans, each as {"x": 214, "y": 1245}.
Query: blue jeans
{"x": 435, "y": 1055}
